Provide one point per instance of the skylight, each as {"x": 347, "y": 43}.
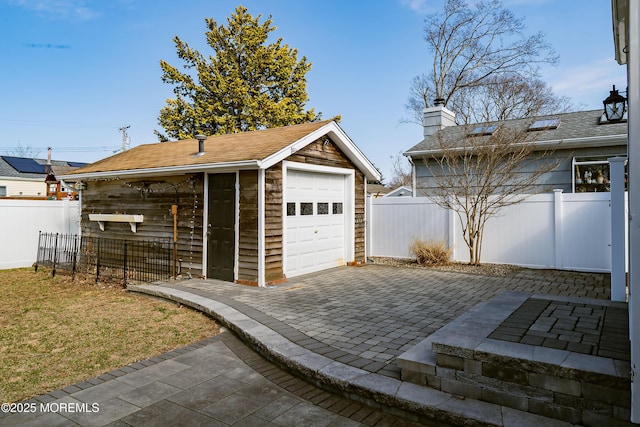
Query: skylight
{"x": 76, "y": 164}
{"x": 483, "y": 130}
{"x": 545, "y": 124}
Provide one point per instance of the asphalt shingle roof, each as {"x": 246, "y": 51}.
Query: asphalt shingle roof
{"x": 237, "y": 147}
{"x": 576, "y": 125}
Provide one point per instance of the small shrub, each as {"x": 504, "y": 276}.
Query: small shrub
{"x": 431, "y": 252}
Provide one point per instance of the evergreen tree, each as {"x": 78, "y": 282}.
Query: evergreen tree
{"x": 245, "y": 85}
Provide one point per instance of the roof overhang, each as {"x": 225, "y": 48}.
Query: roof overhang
{"x": 164, "y": 171}
{"x": 620, "y": 19}
{"x": 565, "y": 144}
{"x": 331, "y": 129}
{"x": 19, "y": 178}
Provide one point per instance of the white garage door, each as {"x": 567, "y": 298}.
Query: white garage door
{"x": 315, "y": 222}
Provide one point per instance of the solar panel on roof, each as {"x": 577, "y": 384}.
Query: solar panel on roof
{"x": 76, "y": 164}
{"x": 24, "y": 165}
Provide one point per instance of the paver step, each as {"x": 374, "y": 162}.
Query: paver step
{"x": 464, "y": 359}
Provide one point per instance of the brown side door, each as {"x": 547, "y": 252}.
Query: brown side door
{"x": 221, "y": 226}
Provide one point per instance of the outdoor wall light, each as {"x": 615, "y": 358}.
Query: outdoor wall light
{"x": 614, "y": 106}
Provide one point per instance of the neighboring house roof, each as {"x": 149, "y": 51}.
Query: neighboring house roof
{"x": 402, "y": 191}
{"x": 12, "y": 167}
{"x": 377, "y": 189}
{"x": 246, "y": 150}
{"x": 577, "y": 129}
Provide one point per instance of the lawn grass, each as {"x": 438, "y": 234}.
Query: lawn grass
{"x": 55, "y": 332}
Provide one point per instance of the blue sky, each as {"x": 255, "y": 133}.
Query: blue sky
{"x": 74, "y": 71}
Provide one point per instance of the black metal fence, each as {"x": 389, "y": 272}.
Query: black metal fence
{"x": 107, "y": 259}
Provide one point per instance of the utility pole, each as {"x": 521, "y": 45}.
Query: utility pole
{"x": 126, "y": 141}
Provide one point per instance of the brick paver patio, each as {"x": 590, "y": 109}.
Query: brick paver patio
{"x": 367, "y": 316}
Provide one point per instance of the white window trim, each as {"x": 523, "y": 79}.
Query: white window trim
{"x": 575, "y": 163}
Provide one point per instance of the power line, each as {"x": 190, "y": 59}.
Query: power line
{"x": 67, "y": 149}
{"x": 58, "y": 124}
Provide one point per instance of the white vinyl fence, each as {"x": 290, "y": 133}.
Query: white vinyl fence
{"x": 561, "y": 231}
{"x": 20, "y": 222}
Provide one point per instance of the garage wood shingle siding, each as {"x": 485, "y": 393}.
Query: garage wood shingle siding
{"x": 149, "y": 179}
{"x": 248, "y": 225}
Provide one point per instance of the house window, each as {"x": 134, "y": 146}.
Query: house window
{"x": 3, "y": 190}
{"x": 337, "y": 208}
{"x": 323, "y": 208}
{"x": 591, "y": 174}
{"x": 306, "y": 208}
{"x": 291, "y": 209}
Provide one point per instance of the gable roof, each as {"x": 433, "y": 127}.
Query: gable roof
{"x": 577, "y": 129}
{"x": 259, "y": 149}
{"x": 401, "y": 191}
{"x": 8, "y": 167}
{"x": 377, "y": 189}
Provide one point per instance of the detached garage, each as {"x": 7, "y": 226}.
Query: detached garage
{"x": 254, "y": 208}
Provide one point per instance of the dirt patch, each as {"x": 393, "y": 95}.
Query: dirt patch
{"x": 482, "y": 269}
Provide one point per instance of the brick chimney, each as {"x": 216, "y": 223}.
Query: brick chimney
{"x": 437, "y": 117}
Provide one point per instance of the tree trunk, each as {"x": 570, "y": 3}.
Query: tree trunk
{"x": 472, "y": 243}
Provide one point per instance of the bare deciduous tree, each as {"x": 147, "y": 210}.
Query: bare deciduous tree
{"x": 485, "y": 175}
{"x": 476, "y": 50}
{"x": 401, "y": 172}
{"x": 23, "y": 151}
{"x": 507, "y": 97}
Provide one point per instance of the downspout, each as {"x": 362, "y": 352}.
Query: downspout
{"x": 413, "y": 176}
{"x": 261, "y": 228}
{"x": 633, "y": 96}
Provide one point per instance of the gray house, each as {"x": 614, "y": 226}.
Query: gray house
{"x": 581, "y": 142}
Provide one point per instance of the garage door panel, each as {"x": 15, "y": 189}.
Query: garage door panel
{"x": 306, "y": 261}
{"x": 315, "y": 228}
{"x": 306, "y": 235}
{"x": 292, "y": 236}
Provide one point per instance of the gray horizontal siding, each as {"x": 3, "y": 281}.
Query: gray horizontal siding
{"x": 559, "y": 178}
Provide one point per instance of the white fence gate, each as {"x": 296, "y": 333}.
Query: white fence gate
{"x": 20, "y": 222}
{"x": 561, "y": 231}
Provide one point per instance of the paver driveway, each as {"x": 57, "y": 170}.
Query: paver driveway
{"x": 367, "y": 316}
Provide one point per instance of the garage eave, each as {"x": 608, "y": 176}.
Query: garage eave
{"x": 338, "y": 137}
{"x": 171, "y": 170}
